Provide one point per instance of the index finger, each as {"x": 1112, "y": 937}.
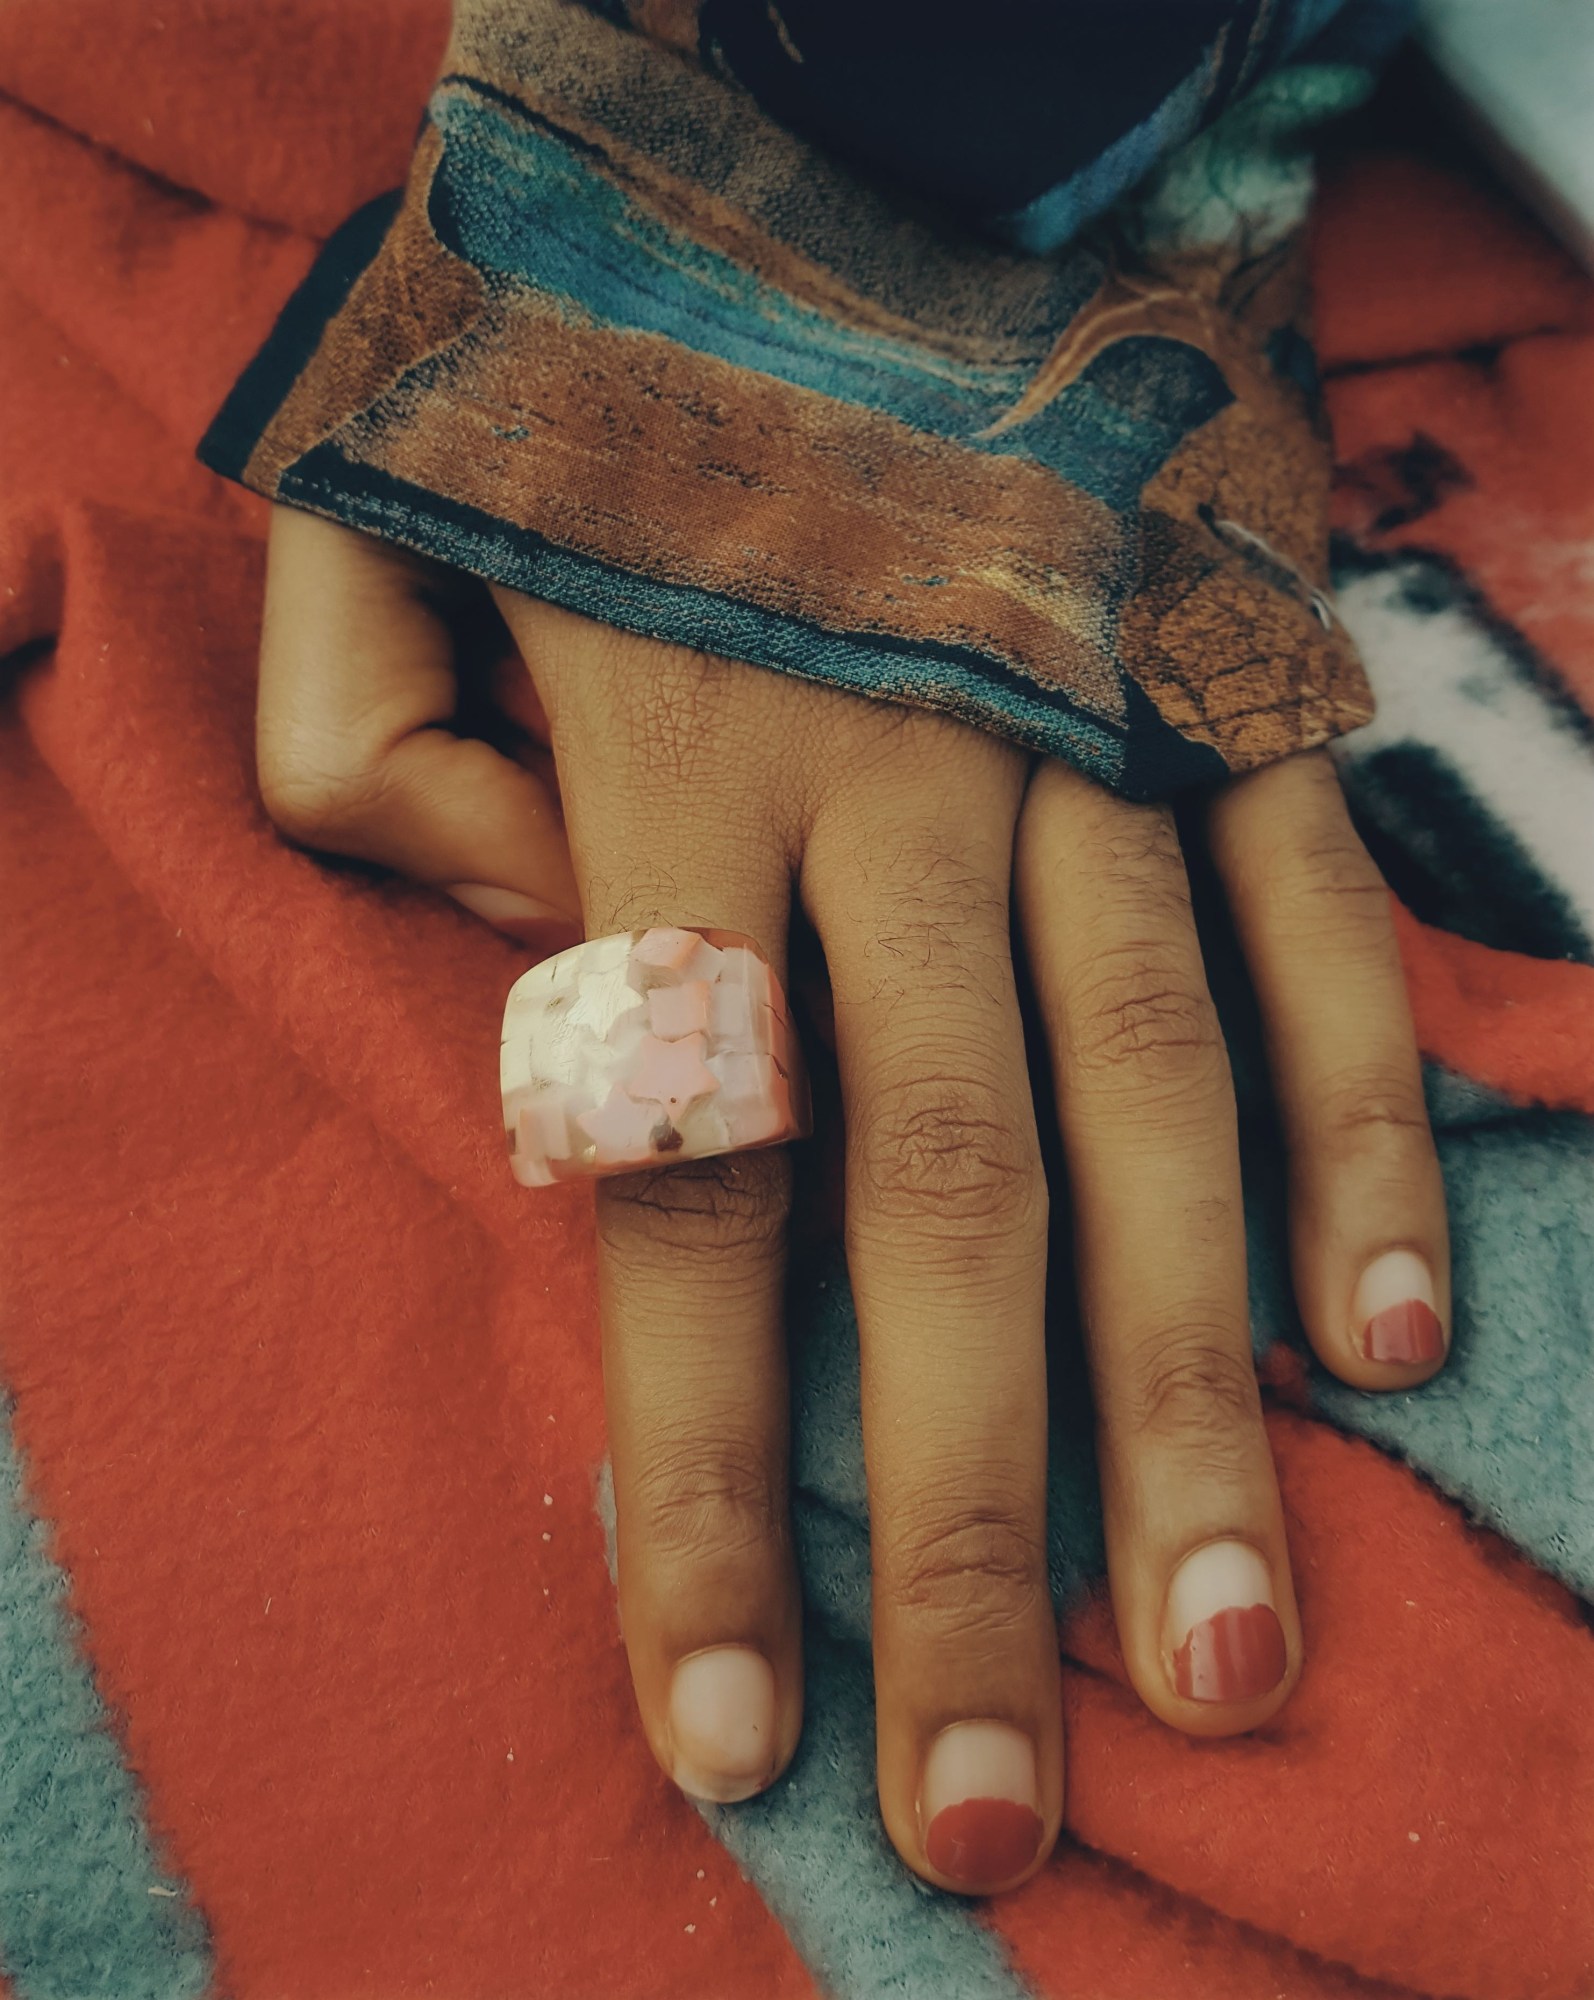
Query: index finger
{"x": 691, "y": 1255}
{"x": 1195, "y": 1530}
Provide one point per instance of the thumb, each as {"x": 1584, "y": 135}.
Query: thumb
{"x": 357, "y": 743}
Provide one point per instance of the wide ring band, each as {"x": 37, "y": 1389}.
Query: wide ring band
{"x": 644, "y": 1049}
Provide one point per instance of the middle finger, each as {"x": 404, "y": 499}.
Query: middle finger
{"x": 907, "y": 881}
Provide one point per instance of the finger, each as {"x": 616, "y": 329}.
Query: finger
{"x": 1369, "y": 1246}
{"x": 357, "y": 688}
{"x": 906, "y": 878}
{"x": 1195, "y": 1534}
{"x": 691, "y": 1257}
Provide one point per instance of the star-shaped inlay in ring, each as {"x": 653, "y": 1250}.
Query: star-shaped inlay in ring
{"x": 622, "y": 1128}
{"x": 673, "y": 1074}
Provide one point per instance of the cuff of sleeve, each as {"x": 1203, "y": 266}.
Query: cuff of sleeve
{"x": 626, "y": 345}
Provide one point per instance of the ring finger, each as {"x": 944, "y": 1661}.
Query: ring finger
{"x": 1195, "y": 1535}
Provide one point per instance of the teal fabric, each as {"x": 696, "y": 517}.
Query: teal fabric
{"x": 1108, "y": 433}
{"x": 1507, "y": 1427}
{"x": 87, "y": 1911}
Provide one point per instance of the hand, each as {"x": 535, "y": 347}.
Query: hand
{"x": 701, "y": 792}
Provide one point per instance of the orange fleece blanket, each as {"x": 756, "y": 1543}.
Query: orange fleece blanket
{"x": 310, "y": 1678}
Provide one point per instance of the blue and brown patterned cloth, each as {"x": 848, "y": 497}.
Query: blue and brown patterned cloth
{"x": 991, "y": 394}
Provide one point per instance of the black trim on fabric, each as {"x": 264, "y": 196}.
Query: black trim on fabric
{"x": 290, "y": 347}
{"x": 1149, "y": 772}
{"x": 1453, "y": 862}
{"x": 1447, "y": 855}
{"x": 1158, "y": 760}
{"x": 1292, "y": 356}
{"x": 506, "y": 100}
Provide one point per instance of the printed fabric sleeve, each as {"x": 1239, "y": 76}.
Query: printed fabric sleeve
{"x": 628, "y": 343}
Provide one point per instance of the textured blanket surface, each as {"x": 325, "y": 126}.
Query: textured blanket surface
{"x": 310, "y": 1681}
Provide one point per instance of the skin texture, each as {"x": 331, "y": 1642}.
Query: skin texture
{"x": 702, "y": 792}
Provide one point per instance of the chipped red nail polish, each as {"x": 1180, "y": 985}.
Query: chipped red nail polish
{"x": 1408, "y": 1333}
{"x": 1233, "y": 1657}
{"x": 1394, "y": 1311}
{"x": 1223, "y": 1634}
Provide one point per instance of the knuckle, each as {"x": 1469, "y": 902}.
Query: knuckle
{"x": 951, "y": 1154}
{"x": 703, "y": 1499}
{"x": 1323, "y": 880}
{"x": 1137, "y": 848}
{"x": 735, "y": 1204}
{"x": 943, "y": 923}
{"x": 1193, "y": 1390}
{"x": 1139, "y": 1016}
{"x": 645, "y": 721}
{"x": 1074, "y": 831}
{"x": 299, "y": 810}
{"x": 313, "y": 798}
{"x": 1300, "y": 863}
{"x": 966, "y": 1569}
{"x": 1375, "y": 1108}
{"x": 930, "y": 886}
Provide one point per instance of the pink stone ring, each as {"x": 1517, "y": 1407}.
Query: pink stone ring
{"x": 647, "y": 1048}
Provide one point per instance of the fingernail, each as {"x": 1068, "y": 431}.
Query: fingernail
{"x": 722, "y": 1723}
{"x": 1394, "y": 1310}
{"x": 1222, "y": 1630}
{"x": 522, "y": 916}
{"x": 978, "y": 1804}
